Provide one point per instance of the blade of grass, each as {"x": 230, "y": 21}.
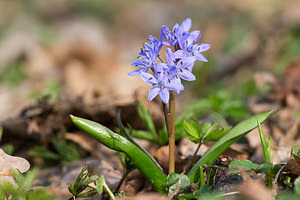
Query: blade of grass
{"x": 116, "y": 142}
{"x": 269, "y": 148}
{"x": 239, "y": 131}
{"x": 263, "y": 141}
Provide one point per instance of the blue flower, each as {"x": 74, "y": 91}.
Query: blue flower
{"x": 161, "y": 84}
{"x": 180, "y": 67}
{"x": 172, "y": 36}
{"x": 147, "y": 56}
{"x": 167, "y": 76}
{"x": 189, "y": 49}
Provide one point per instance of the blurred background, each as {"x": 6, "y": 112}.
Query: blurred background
{"x": 85, "y": 47}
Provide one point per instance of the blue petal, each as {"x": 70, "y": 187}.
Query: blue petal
{"x": 175, "y": 27}
{"x": 182, "y": 41}
{"x": 166, "y": 32}
{"x": 201, "y": 47}
{"x": 153, "y": 93}
{"x": 185, "y": 26}
{"x": 148, "y": 78}
{"x": 166, "y": 43}
{"x": 187, "y": 62}
{"x": 200, "y": 57}
{"x": 186, "y": 75}
{"x": 172, "y": 72}
{"x": 175, "y": 85}
{"x": 164, "y": 95}
{"x": 195, "y": 35}
{"x": 179, "y": 54}
{"x": 170, "y": 57}
{"x": 136, "y": 72}
{"x": 137, "y": 63}
{"x": 160, "y": 67}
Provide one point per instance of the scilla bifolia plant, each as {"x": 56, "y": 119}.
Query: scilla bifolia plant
{"x": 165, "y": 79}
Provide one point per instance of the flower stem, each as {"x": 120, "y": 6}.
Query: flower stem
{"x": 171, "y": 132}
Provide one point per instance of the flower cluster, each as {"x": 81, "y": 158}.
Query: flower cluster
{"x": 166, "y": 76}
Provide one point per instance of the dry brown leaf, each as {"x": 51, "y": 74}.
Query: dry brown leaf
{"x": 8, "y": 163}
{"x": 293, "y": 165}
{"x": 254, "y": 190}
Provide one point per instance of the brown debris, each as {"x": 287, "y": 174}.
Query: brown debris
{"x": 293, "y": 165}
{"x": 8, "y": 163}
{"x": 254, "y": 190}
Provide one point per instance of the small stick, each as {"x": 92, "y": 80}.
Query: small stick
{"x": 5, "y": 174}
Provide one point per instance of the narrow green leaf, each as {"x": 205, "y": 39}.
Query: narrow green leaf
{"x": 146, "y": 116}
{"x": 146, "y": 166}
{"x": 71, "y": 190}
{"x": 217, "y": 134}
{"x": 88, "y": 193}
{"x": 269, "y": 149}
{"x": 263, "y": 142}
{"x": 295, "y": 150}
{"x": 140, "y": 134}
{"x": 128, "y": 137}
{"x": 239, "y": 131}
{"x": 81, "y": 175}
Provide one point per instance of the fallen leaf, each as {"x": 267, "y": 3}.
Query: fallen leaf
{"x": 254, "y": 190}
{"x": 8, "y": 163}
{"x": 293, "y": 165}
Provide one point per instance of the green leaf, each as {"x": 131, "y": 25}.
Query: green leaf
{"x": 145, "y": 164}
{"x": 295, "y": 150}
{"x": 193, "y": 131}
{"x": 297, "y": 186}
{"x": 183, "y": 196}
{"x": 217, "y": 134}
{"x": 140, "y": 134}
{"x": 88, "y": 193}
{"x": 146, "y": 116}
{"x": 100, "y": 183}
{"x": 239, "y": 131}
{"x": 248, "y": 165}
{"x": 263, "y": 142}
{"x": 172, "y": 182}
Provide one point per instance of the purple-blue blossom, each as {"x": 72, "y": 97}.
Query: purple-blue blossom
{"x": 180, "y": 67}
{"x": 177, "y": 31}
{"x": 166, "y": 76}
{"x": 161, "y": 85}
{"x": 147, "y": 56}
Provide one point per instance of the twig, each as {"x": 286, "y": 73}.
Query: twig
{"x": 5, "y": 174}
{"x": 275, "y": 188}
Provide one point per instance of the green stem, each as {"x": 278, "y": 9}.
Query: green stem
{"x": 201, "y": 177}
{"x": 171, "y": 132}
{"x": 112, "y": 196}
{"x": 195, "y": 154}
